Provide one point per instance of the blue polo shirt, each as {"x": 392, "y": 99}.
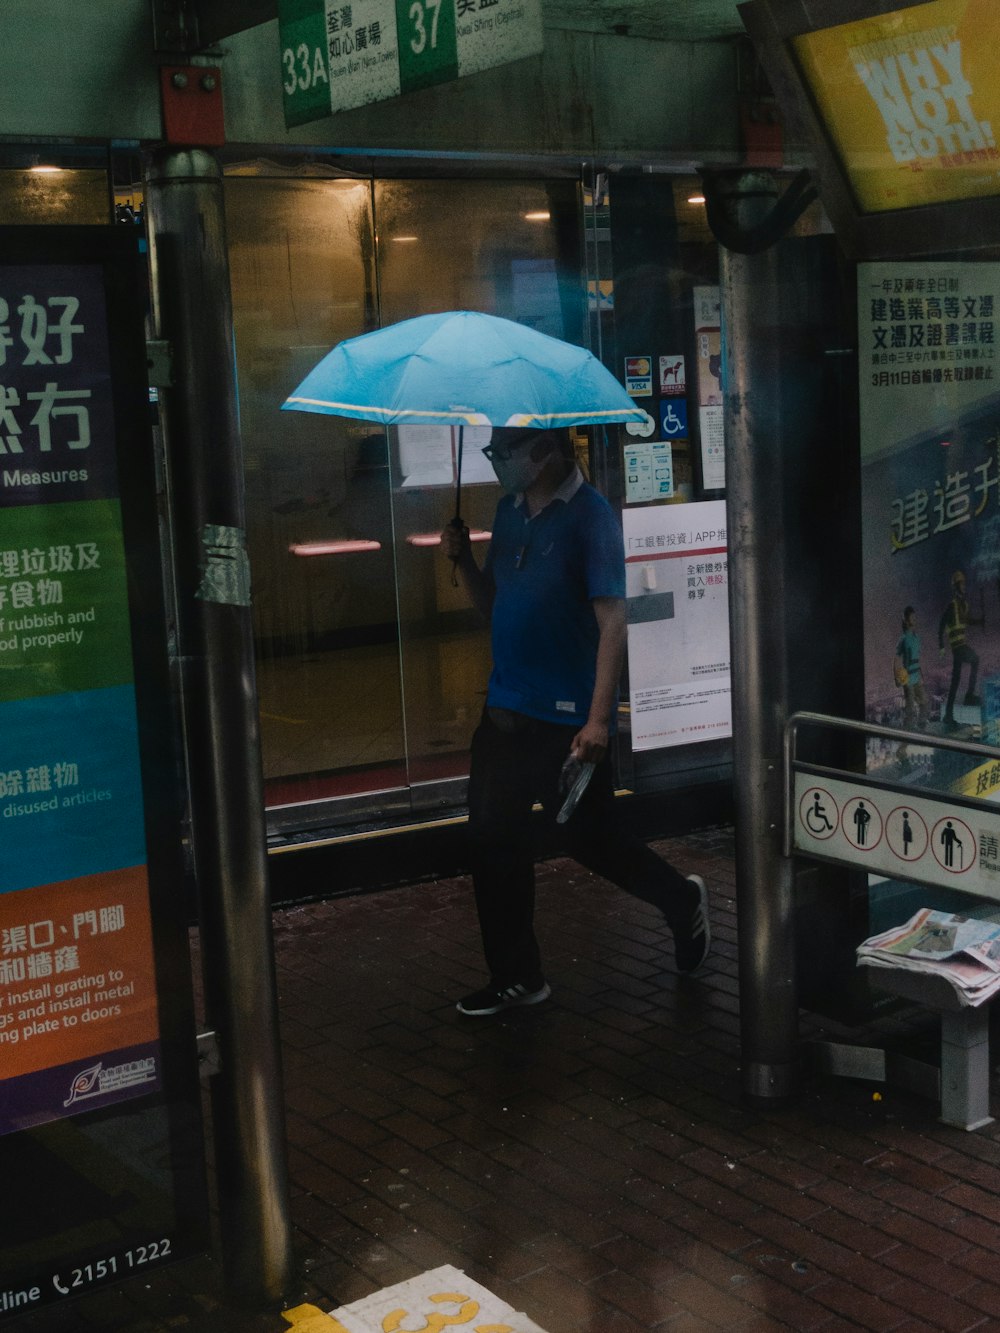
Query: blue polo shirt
{"x": 546, "y": 571}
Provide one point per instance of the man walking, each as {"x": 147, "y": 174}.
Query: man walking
{"x": 553, "y": 586}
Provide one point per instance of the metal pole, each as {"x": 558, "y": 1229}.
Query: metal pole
{"x": 752, "y": 318}
{"x": 193, "y": 312}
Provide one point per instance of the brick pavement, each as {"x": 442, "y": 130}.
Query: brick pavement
{"x": 589, "y": 1160}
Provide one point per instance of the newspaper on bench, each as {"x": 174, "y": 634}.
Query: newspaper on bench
{"x": 963, "y": 950}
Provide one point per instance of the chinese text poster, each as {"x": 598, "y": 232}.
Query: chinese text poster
{"x": 78, "y": 1010}
{"x": 676, "y": 572}
{"x": 929, "y": 397}
{"x": 708, "y": 368}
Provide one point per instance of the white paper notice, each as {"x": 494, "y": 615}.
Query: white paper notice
{"x": 713, "y": 447}
{"x": 428, "y": 455}
{"x": 676, "y": 569}
{"x": 649, "y": 471}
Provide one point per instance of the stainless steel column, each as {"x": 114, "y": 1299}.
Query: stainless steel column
{"x": 755, "y": 444}
{"x": 193, "y": 312}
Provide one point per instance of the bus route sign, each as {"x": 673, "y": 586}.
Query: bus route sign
{"x": 339, "y": 54}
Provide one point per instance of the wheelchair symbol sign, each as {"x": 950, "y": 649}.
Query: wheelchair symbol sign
{"x": 674, "y": 418}
{"x": 819, "y": 814}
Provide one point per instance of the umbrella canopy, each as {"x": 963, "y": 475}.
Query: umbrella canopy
{"x": 463, "y": 368}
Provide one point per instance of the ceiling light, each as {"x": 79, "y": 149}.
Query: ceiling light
{"x": 696, "y": 198}
{"x": 539, "y": 215}
{"x": 45, "y": 171}
{"x": 400, "y": 239}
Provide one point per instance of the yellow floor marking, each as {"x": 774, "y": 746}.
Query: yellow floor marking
{"x": 439, "y": 1301}
{"x": 310, "y": 1319}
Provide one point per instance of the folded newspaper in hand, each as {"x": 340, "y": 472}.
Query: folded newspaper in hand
{"x": 573, "y": 781}
{"x": 963, "y": 950}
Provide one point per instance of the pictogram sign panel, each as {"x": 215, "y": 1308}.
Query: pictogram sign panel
{"x": 898, "y": 833}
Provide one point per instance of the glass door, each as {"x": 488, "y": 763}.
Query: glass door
{"x": 509, "y": 248}
{"x": 318, "y": 509}
{"x": 372, "y": 667}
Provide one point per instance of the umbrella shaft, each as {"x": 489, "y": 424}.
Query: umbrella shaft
{"x": 458, "y": 475}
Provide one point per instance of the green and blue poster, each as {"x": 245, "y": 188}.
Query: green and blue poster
{"x": 78, "y": 1004}
{"x": 100, "y": 1131}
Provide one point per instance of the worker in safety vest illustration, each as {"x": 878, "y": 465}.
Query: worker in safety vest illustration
{"x": 954, "y": 623}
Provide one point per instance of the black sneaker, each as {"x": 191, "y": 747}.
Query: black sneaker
{"x": 693, "y": 938}
{"x": 492, "y": 999}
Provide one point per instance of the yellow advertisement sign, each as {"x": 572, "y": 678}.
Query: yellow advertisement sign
{"x": 910, "y": 100}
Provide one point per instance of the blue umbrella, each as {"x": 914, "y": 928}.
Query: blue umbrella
{"x": 463, "y": 368}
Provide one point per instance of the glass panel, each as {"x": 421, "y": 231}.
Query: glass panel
{"x": 46, "y": 195}
{"x": 318, "y": 513}
{"x": 665, "y": 332}
{"x": 510, "y": 248}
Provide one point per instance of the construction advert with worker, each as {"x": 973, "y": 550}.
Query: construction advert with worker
{"x": 931, "y": 515}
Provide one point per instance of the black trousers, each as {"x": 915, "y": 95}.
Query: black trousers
{"x": 510, "y": 771}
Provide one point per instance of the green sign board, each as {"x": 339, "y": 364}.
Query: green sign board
{"x": 338, "y": 54}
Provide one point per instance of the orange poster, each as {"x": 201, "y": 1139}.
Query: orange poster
{"x": 911, "y": 101}
{"x": 77, "y": 992}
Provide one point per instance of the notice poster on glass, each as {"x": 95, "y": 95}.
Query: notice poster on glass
{"x": 78, "y": 1003}
{"x": 676, "y": 572}
{"x": 648, "y": 471}
{"x": 930, "y": 451}
{"x": 428, "y": 455}
{"x": 708, "y": 380}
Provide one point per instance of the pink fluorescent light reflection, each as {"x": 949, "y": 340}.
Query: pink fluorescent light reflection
{"x": 333, "y": 548}
{"x": 434, "y": 538}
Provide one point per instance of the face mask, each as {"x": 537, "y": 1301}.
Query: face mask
{"x": 516, "y": 474}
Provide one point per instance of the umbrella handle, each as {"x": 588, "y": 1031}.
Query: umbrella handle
{"x": 459, "y": 525}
